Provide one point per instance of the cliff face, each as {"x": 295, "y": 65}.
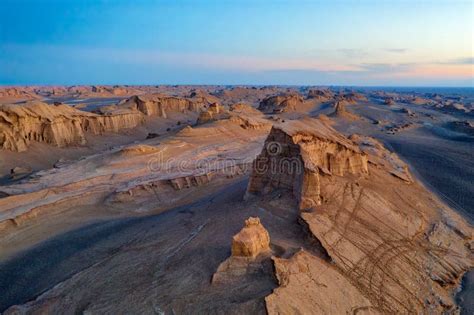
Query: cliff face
{"x": 21, "y": 124}
{"x": 390, "y": 245}
{"x": 161, "y": 105}
{"x": 296, "y": 155}
{"x": 112, "y": 123}
{"x": 59, "y": 125}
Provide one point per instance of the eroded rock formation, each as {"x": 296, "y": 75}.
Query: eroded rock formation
{"x": 192, "y": 158}
{"x": 281, "y": 103}
{"x": 308, "y": 285}
{"x": 210, "y": 114}
{"x": 322, "y": 95}
{"x": 341, "y": 111}
{"x": 205, "y": 117}
{"x": 391, "y": 247}
{"x": 389, "y": 101}
{"x": 379, "y": 156}
{"x": 17, "y": 93}
{"x": 296, "y": 155}
{"x": 243, "y": 108}
{"x": 59, "y": 125}
{"x": 252, "y": 240}
{"x": 250, "y": 249}
{"x": 161, "y": 105}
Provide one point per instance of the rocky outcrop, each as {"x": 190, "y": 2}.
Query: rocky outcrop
{"x": 190, "y": 181}
{"x": 21, "y": 124}
{"x": 59, "y": 125}
{"x": 161, "y": 105}
{"x": 126, "y": 176}
{"x": 408, "y": 112}
{"x": 210, "y": 114}
{"x": 202, "y": 96}
{"x": 16, "y": 93}
{"x": 297, "y": 154}
{"x": 281, "y": 103}
{"x": 251, "y": 122}
{"x": 83, "y": 91}
{"x": 379, "y": 156}
{"x": 308, "y": 285}
{"x": 19, "y": 172}
{"x": 389, "y": 101}
{"x": 466, "y": 127}
{"x": 205, "y": 117}
{"x": 321, "y": 95}
{"x": 252, "y": 240}
{"x": 351, "y": 97}
{"x": 341, "y": 111}
{"x": 250, "y": 249}
{"x": 391, "y": 248}
{"x": 242, "y": 108}
{"x": 113, "y": 122}
{"x": 416, "y": 100}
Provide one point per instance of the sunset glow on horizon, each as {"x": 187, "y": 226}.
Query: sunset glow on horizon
{"x": 395, "y": 43}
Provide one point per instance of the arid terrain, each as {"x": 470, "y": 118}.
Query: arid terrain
{"x": 236, "y": 200}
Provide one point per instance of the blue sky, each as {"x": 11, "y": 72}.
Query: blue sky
{"x": 409, "y": 43}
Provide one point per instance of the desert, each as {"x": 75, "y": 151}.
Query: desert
{"x": 236, "y": 157}
{"x": 340, "y": 212}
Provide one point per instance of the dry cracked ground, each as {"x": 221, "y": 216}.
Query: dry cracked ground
{"x": 235, "y": 200}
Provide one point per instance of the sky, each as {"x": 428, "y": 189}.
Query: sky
{"x": 256, "y": 42}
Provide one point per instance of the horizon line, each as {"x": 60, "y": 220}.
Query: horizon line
{"x": 4, "y": 85}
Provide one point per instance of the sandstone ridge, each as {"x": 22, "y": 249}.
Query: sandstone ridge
{"x": 382, "y": 233}
{"x": 298, "y": 153}
{"x": 59, "y": 125}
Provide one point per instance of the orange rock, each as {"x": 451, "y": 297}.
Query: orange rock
{"x": 252, "y": 240}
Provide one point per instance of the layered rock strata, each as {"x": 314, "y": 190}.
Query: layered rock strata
{"x": 161, "y": 105}
{"x": 59, "y": 125}
{"x": 296, "y": 155}
{"x": 191, "y": 158}
{"x": 391, "y": 247}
